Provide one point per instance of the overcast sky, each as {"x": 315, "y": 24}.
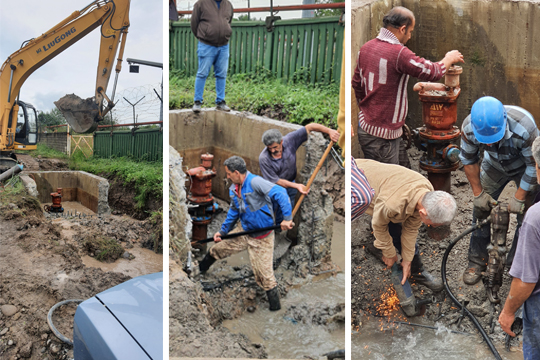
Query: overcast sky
{"x": 74, "y": 70}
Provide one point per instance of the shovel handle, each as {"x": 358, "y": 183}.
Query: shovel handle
{"x": 319, "y": 165}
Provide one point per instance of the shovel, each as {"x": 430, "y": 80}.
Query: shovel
{"x": 282, "y": 244}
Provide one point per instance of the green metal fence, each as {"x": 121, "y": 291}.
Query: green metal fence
{"x": 141, "y": 144}
{"x": 310, "y": 47}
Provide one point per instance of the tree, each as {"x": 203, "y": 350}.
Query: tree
{"x": 54, "y": 117}
{"x": 329, "y": 12}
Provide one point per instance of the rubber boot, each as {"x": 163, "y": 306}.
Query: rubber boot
{"x": 473, "y": 273}
{"x": 205, "y": 263}
{"x": 423, "y": 277}
{"x": 273, "y": 299}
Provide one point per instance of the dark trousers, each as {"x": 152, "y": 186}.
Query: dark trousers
{"x": 383, "y": 150}
{"x": 493, "y": 182}
{"x": 395, "y": 232}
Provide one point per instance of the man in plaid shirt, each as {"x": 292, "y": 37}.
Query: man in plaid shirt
{"x": 505, "y": 133}
{"x": 380, "y": 80}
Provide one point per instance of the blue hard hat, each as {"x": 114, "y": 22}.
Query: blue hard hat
{"x": 488, "y": 119}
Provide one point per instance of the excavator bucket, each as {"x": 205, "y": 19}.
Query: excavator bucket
{"x": 80, "y": 114}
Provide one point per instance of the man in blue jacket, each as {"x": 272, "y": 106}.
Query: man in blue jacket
{"x": 252, "y": 200}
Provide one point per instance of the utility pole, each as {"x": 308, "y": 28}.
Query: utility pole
{"x": 249, "y": 7}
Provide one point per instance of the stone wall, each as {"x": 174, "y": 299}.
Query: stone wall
{"x": 497, "y": 38}
{"x": 57, "y": 141}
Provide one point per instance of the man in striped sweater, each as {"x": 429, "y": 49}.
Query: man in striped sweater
{"x": 505, "y": 134}
{"x": 380, "y": 84}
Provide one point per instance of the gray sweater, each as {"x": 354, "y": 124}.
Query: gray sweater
{"x": 210, "y": 24}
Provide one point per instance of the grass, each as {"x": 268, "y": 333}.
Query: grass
{"x": 300, "y": 102}
{"x": 11, "y": 191}
{"x": 104, "y": 249}
{"x": 46, "y": 152}
{"x": 145, "y": 177}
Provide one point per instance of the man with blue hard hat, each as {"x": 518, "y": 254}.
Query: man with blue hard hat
{"x": 505, "y": 133}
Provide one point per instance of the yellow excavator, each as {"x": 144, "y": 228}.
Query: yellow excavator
{"x": 18, "y": 127}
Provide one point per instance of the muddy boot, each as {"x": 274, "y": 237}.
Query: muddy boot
{"x": 423, "y": 277}
{"x": 273, "y": 299}
{"x": 370, "y": 248}
{"x": 473, "y": 273}
{"x": 205, "y": 263}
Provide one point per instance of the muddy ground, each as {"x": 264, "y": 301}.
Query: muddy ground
{"x": 42, "y": 262}
{"x": 370, "y": 280}
{"x": 199, "y": 305}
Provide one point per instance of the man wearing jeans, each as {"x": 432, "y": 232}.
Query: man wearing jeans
{"x": 211, "y": 25}
{"x": 525, "y": 288}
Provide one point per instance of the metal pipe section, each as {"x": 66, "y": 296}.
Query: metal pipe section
{"x": 454, "y": 299}
{"x": 340, "y": 5}
{"x": 9, "y": 173}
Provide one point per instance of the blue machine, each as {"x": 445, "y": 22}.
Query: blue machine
{"x": 123, "y": 322}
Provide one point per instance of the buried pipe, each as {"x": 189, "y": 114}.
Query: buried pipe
{"x": 454, "y": 299}
{"x": 9, "y": 173}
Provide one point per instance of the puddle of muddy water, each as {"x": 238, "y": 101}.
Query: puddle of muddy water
{"x": 145, "y": 262}
{"x": 406, "y": 342}
{"x": 284, "y": 338}
{"x": 74, "y": 207}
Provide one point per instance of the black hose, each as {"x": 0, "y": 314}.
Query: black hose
{"x": 51, "y": 325}
{"x": 454, "y": 299}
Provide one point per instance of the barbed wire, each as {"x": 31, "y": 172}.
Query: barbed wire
{"x": 148, "y": 106}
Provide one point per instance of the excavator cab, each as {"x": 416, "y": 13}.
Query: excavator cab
{"x": 26, "y": 130}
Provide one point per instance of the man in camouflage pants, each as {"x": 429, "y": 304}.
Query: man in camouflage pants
{"x": 252, "y": 200}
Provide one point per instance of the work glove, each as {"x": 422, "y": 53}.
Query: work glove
{"x": 516, "y": 206}
{"x": 484, "y": 202}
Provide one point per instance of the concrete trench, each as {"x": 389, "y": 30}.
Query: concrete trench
{"x": 91, "y": 191}
{"x": 234, "y": 133}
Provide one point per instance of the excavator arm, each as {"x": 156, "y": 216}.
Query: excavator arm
{"x": 112, "y": 16}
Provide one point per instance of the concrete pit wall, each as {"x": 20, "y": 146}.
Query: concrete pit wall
{"x": 90, "y": 190}
{"x": 498, "y": 39}
{"x": 223, "y": 134}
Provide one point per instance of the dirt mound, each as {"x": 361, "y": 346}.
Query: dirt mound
{"x": 122, "y": 200}
{"x": 102, "y": 248}
{"x": 52, "y": 164}
{"x": 193, "y": 324}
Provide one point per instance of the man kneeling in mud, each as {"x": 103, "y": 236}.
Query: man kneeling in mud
{"x": 251, "y": 202}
